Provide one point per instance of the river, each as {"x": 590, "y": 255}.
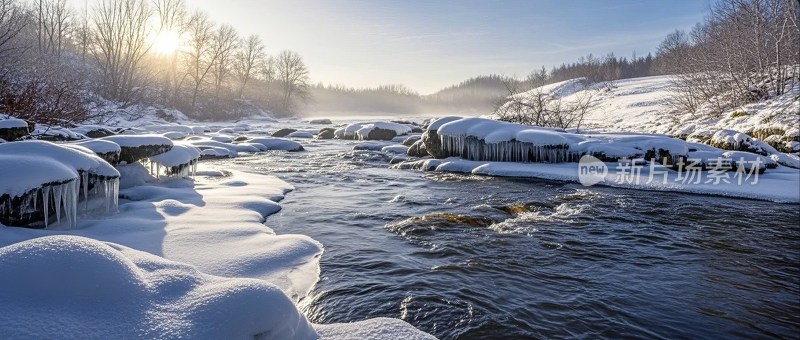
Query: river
{"x": 477, "y": 257}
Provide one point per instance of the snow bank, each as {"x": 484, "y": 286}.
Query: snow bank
{"x": 125, "y": 293}
{"x": 215, "y": 224}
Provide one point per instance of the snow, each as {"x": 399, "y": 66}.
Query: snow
{"x": 126, "y": 293}
{"x": 57, "y": 132}
{"x": 98, "y": 146}
{"x": 361, "y": 130}
{"x": 215, "y": 224}
{"x": 301, "y": 134}
{"x": 135, "y": 141}
{"x": 436, "y": 124}
{"x": 180, "y": 154}
{"x": 22, "y": 173}
{"x": 75, "y": 159}
{"x": 275, "y": 143}
{"x": 13, "y": 123}
{"x": 203, "y": 144}
{"x": 787, "y": 159}
{"x": 779, "y": 185}
{"x": 222, "y": 138}
{"x": 370, "y": 145}
{"x": 397, "y": 148}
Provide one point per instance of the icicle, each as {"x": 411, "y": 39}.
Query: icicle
{"x": 46, "y": 204}
{"x": 85, "y": 190}
{"x": 57, "y": 195}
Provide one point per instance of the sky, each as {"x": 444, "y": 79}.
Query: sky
{"x": 430, "y": 44}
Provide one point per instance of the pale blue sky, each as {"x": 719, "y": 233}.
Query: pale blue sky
{"x": 427, "y": 45}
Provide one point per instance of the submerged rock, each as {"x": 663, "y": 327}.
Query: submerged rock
{"x": 428, "y": 224}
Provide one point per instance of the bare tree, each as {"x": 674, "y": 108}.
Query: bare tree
{"x": 172, "y": 20}
{"x": 12, "y": 21}
{"x": 199, "y": 59}
{"x": 53, "y": 20}
{"x": 529, "y": 103}
{"x": 119, "y": 42}
{"x": 171, "y": 14}
{"x": 292, "y": 75}
{"x": 225, "y": 41}
{"x": 248, "y": 57}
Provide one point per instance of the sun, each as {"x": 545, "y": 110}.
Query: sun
{"x": 166, "y": 42}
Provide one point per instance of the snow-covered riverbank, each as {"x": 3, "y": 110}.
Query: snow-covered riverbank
{"x": 151, "y": 264}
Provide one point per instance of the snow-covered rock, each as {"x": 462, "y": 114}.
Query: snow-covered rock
{"x": 42, "y": 178}
{"x": 300, "y": 134}
{"x": 179, "y": 161}
{"x": 397, "y": 148}
{"x": 137, "y": 147}
{"x": 12, "y": 129}
{"x": 373, "y": 131}
{"x": 274, "y": 143}
{"x": 107, "y": 150}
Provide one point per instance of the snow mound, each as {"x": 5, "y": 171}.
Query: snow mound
{"x": 441, "y": 121}
{"x": 80, "y": 161}
{"x": 275, "y": 143}
{"x": 178, "y": 161}
{"x": 127, "y": 293}
{"x": 398, "y": 149}
{"x": 135, "y": 141}
{"x": 300, "y": 134}
{"x": 13, "y": 123}
{"x": 363, "y": 130}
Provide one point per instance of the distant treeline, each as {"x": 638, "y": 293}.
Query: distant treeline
{"x": 478, "y": 95}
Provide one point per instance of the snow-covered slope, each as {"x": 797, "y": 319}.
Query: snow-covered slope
{"x": 643, "y": 105}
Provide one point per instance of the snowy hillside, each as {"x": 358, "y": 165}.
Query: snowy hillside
{"x": 643, "y": 105}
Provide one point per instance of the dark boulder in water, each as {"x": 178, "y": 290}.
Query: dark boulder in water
{"x": 433, "y": 144}
{"x": 411, "y": 140}
{"x": 418, "y": 149}
{"x": 381, "y": 134}
{"x": 326, "y": 133}
{"x": 320, "y": 121}
{"x": 283, "y": 132}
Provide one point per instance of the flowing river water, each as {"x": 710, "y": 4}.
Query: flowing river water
{"x": 477, "y": 257}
